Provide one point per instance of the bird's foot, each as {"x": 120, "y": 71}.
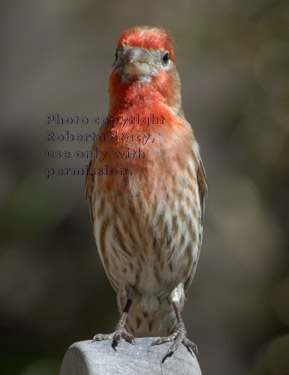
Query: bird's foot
{"x": 120, "y": 333}
{"x": 179, "y": 337}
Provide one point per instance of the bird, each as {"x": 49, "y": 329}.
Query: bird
{"x": 146, "y": 189}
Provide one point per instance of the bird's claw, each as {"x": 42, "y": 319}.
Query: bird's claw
{"x": 116, "y": 336}
{"x": 178, "y": 337}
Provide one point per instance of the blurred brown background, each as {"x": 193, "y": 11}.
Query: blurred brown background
{"x": 233, "y": 59}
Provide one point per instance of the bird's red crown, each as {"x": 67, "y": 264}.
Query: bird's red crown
{"x": 151, "y": 38}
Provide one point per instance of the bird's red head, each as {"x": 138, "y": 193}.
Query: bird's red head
{"x": 144, "y": 70}
{"x": 150, "y": 38}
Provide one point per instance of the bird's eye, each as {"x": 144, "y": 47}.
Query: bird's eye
{"x": 165, "y": 58}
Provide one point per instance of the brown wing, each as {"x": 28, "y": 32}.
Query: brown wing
{"x": 203, "y": 187}
{"x": 89, "y": 187}
{"x": 203, "y": 192}
{"x": 90, "y": 177}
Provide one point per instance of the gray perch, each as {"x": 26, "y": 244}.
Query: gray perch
{"x": 100, "y": 358}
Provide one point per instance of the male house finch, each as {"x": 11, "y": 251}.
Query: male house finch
{"x": 147, "y": 194}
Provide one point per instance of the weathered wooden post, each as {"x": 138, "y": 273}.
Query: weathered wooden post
{"x": 100, "y": 358}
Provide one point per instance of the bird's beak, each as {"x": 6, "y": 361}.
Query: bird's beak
{"x": 137, "y": 62}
